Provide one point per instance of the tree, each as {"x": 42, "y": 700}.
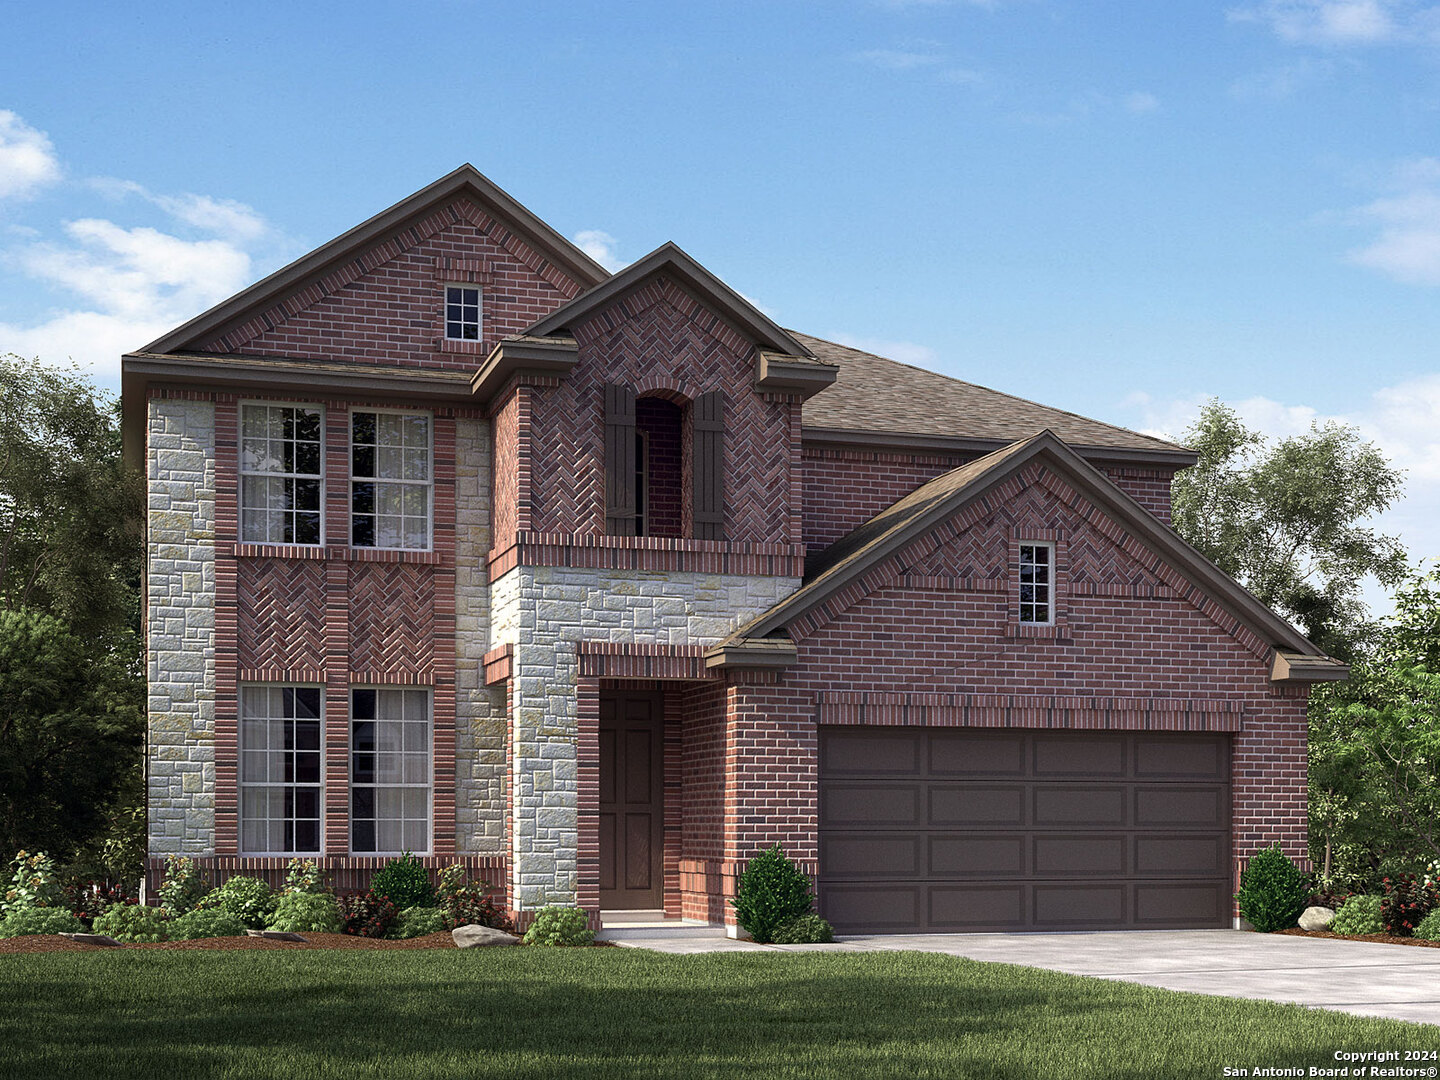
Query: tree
{"x": 1286, "y": 520}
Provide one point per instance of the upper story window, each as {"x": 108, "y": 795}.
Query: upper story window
{"x": 646, "y": 491}
{"x": 462, "y": 313}
{"x": 390, "y": 471}
{"x": 280, "y": 474}
{"x": 1037, "y": 583}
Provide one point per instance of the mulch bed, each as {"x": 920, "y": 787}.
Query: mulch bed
{"x": 41, "y": 943}
{"x": 1381, "y": 939}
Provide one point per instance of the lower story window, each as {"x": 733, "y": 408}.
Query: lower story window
{"x": 280, "y": 769}
{"x": 389, "y": 771}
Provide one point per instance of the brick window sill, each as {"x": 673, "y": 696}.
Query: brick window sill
{"x": 329, "y": 553}
{"x": 1057, "y": 631}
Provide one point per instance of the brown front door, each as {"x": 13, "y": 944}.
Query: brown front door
{"x": 631, "y": 801}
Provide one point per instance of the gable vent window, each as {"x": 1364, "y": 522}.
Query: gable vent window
{"x": 462, "y": 313}
{"x": 1037, "y": 583}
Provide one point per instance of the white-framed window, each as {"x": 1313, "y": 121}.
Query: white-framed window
{"x": 462, "y": 312}
{"x": 280, "y": 770}
{"x": 281, "y": 473}
{"x": 390, "y": 764}
{"x": 390, "y": 479}
{"x": 1037, "y": 582}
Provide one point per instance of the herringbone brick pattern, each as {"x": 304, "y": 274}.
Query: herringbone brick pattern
{"x": 281, "y": 609}
{"x": 392, "y": 618}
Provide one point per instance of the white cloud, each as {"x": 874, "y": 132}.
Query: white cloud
{"x": 1344, "y": 22}
{"x": 600, "y": 246}
{"x": 1408, "y": 245}
{"x": 1284, "y": 80}
{"x": 901, "y": 59}
{"x": 1140, "y": 102}
{"x": 27, "y": 158}
{"x": 907, "y": 352}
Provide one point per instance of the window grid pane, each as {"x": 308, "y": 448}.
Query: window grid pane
{"x": 280, "y": 770}
{"x": 462, "y": 313}
{"x": 390, "y": 493}
{"x": 1035, "y": 583}
{"x": 390, "y": 764}
{"x": 280, "y": 474}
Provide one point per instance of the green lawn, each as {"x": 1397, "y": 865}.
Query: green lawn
{"x": 623, "y": 1012}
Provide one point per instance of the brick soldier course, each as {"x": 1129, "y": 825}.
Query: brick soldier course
{"x": 669, "y": 554}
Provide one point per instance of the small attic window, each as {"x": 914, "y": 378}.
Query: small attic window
{"x": 462, "y": 313}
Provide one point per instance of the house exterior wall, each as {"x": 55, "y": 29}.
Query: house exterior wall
{"x": 180, "y": 625}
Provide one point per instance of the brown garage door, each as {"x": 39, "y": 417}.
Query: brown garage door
{"x": 950, "y": 830}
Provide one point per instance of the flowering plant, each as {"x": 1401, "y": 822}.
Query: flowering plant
{"x": 35, "y": 883}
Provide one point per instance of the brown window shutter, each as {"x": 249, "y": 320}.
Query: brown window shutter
{"x": 619, "y": 460}
{"x": 708, "y": 423}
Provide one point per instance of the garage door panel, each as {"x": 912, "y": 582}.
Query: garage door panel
{"x": 856, "y": 803}
{"x": 1069, "y": 855}
{"x": 1079, "y": 755}
{"x": 872, "y": 752}
{"x": 976, "y": 804}
{"x": 1200, "y": 904}
{"x": 976, "y": 907}
{"x": 873, "y": 855}
{"x": 867, "y": 908}
{"x": 965, "y": 753}
{"x": 1195, "y": 807}
{"x": 976, "y": 856}
{"x": 1180, "y": 855}
{"x": 1080, "y": 905}
{"x": 1181, "y": 758}
{"x": 1071, "y": 804}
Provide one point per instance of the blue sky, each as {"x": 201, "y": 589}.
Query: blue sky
{"x": 1117, "y": 208}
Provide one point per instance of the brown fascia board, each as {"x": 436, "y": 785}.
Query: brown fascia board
{"x": 842, "y": 438}
{"x": 464, "y": 179}
{"x": 1163, "y": 541}
{"x": 671, "y": 259}
{"x": 752, "y": 653}
{"x": 269, "y": 375}
{"x": 797, "y": 374}
{"x": 1290, "y": 667}
{"x": 555, "y": 356}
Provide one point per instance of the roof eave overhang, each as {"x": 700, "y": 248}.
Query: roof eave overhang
{"x": 792, "y": 374}
{"x": 1293, "y": 667}
{"x": 555, "y": 357}
{"x": 1179, "y": 458}
{"x": 752, "y": 654}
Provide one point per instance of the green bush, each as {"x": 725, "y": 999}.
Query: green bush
{"x": 1360, "y": 915}
{"x": 804, "y": 930}
{"x": 23, "y": 921}
{"x": 34, "y": 883}
{"x": 467, "y": 903}
{"x": 1274, "y": 892}
{"x": 405, "y": 882}
{"x": 559, "y": 926}
{"x": 771, "y": 891}
{"x": 307, "y": 912}
{"x": 132, "y": 923}
{"x": 1429, "y": 928}
{"x": 184, "y": 886}
{"x": 247, "y": 898}
{"x": 304, "y": 876}
{"x": 1408, "y": 899}
{"x": 205, "y": 922}
{"x": 419, "y": 921}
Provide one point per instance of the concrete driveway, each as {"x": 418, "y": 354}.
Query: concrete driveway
{"x": 1398, "y": 981}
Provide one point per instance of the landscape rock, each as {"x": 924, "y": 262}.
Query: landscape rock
{"x": 472, "y": 936}
{"x": 276, "y": 935}
{"x": 1317, "y": 918}
{"x": 92, "y": 939}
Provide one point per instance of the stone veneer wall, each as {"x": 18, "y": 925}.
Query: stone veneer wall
{"x": 544, "y": 612}
{"x": 180, "y": 625}
{"x": 479, "y": 710}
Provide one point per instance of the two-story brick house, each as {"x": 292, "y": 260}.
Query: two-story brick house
{"x": 460, "y": 545}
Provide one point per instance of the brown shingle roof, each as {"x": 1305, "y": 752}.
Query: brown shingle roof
{"x": 880, "y": 396}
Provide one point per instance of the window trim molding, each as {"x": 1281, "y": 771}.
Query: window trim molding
{"x": 353, "y": 480}
{"x": 429, "y": 784}
{"x": 1059, "y": 625}
{"x": 1051, "y": 608}
{"x": 241, "y": 784}
{"x": 479, "y": 288}
{"x": 241, "y": 472}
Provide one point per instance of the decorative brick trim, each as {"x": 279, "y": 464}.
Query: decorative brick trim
{"x": 587, "y": 770}
{"x": 347, "y": 873}
{"x": 227, "y": 631}
{"x": 623, "y": 660}
{"x": 330, "y": 552}
{"x": 499, "y": 664}
{"x": 423, "y": 677}
{"x": 591, "y": 551}
{"x": 1014, "y": 710}
{"x": 674, "y": 798}
{"x": 463, "y": 271}
{"x": 313, "y": 676}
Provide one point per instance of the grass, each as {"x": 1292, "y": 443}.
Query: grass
{"x": 526, "y": 1013}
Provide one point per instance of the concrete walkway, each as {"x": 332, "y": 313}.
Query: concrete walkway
{"x": 1398, "y": 981}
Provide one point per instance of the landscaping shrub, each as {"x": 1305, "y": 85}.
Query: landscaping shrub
{"x": 368, "y": 914}
{"x": 805, "y": 930}
{"x": 466, "y": 903}
{"x": 206, "y": 922}
{"x": 1408, "y": 899}
{"x": 23, "y": 921}
{"x": 1429, "y": 928}
{"x": 1359, "y": 915}
{"x": 183, "y": 887}
{"x": 419, "y": 921}
{"x": 86, "y": 899}
{"x": 307, "y": 912}
{"x": 559, "y": 926}
{"x": 1273, "y": 891}
{"x": 304, "y": 876}
{"x": 34, "y": 883}
{"x": 132, "y": 923}
{"x": 405, "y": 882}
{"x": 247, "y": 898}
{"x": 771, "y": 891}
